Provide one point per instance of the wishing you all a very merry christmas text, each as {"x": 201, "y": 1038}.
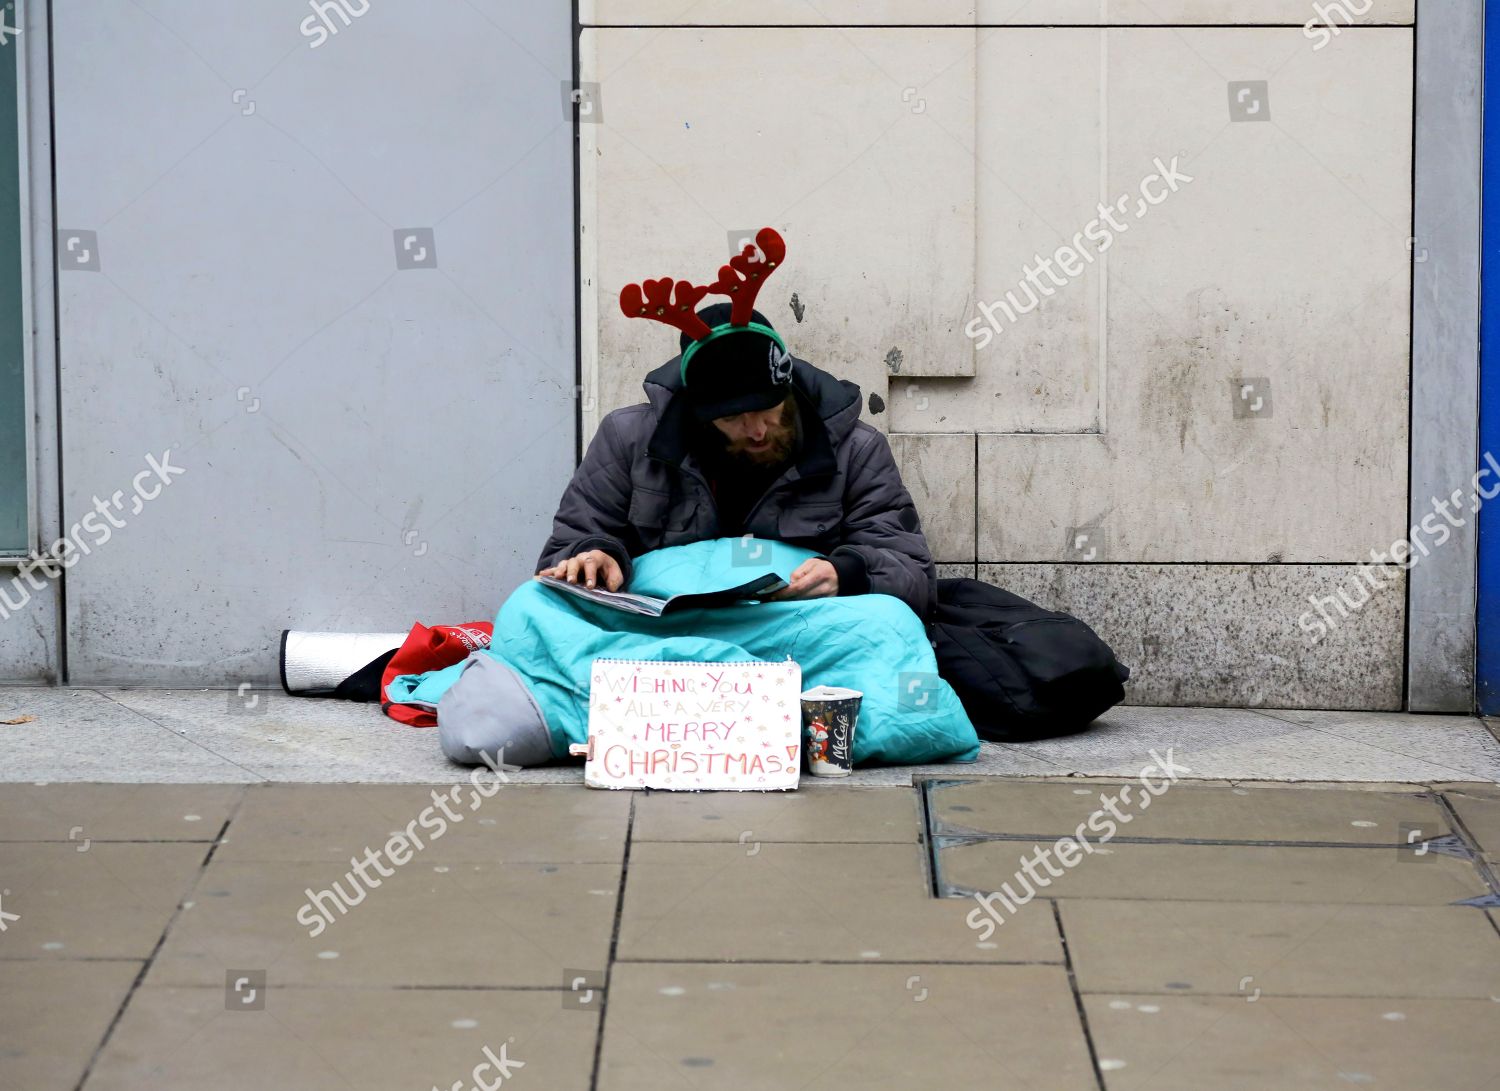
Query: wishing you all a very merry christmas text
{"x": 725, "y": 722}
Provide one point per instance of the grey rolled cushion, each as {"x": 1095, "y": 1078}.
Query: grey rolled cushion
{"x": 489, "y": 710}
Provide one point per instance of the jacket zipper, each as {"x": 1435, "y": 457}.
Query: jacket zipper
{"x": 774, "y": 487}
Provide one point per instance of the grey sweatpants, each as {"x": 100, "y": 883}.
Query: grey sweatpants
{"x": 489, "y": 710}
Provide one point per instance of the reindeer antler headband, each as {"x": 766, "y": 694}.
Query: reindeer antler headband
{"x": 741, "y": 280}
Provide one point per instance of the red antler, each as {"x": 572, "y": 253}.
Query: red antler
{"x": 742, "y": 279}
{"x": 657, "y": 304}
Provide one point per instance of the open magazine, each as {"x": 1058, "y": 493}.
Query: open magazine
{"x": 651, "y": 606}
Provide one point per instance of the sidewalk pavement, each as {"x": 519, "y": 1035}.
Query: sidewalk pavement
{"x": 461, "y": 933}
{"x": 219, "y": 736}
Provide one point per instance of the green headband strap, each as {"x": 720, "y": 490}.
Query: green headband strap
{"x": 723, "y": 331}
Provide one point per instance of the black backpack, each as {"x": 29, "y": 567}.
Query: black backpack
{"x": 1022, "y": 672}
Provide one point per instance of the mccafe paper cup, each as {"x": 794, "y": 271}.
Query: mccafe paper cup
{"x": 829, "y": 715}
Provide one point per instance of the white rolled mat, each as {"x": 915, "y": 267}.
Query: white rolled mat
{"x": 313, "y": 664}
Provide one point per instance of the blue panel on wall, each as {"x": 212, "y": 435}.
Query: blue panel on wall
{"x": 1489, "y": 374}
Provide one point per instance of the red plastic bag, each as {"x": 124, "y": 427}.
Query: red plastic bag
{"x": 430, "y": 650}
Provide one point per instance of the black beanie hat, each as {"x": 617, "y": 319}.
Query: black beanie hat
{"x": 737, "y": 373}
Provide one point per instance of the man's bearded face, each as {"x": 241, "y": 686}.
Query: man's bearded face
{"x": 765, "y": 436}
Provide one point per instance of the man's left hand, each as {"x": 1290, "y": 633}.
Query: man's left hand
{"x": 812, "y": 579}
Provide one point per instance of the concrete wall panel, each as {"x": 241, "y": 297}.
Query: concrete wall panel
{"x": 831, "y": 137}
{"x": 938, "y": 471}
{"x": 1233, "y": 635}
{"x": 1257, "y": 321}
{"x": 1218, "y": 402}
{"x": 1038, "y": 178}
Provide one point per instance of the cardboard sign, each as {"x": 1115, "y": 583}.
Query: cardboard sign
{"x": 694, "y": 726}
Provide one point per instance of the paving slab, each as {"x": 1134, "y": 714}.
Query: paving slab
{"x": 1187, "y": 811}
{"x": 185, "y": 1039}
{"x": 85, "y": 813}
{"x": 1232, "y": 873}
{"x": 1478, "y": 808}
{"x": 857, "y": 814}
{"x": 219, "y": 736}
{"x": 769, "y": 1028}
{"x": 1244, "y": 744}
{"x": 1457, "y": 743}
{"x": 55, "y": 1015}
{"x": 62, "y": 706}
{"x": 1189, "y": 1043}
{"x": 80, "y": 735}
{"x": 1281, "y": 950}
{"x": 765, "y": 901}
{"x": 281, "y": 738}
{"x": 111, "y": 901}
{"x": 514, "y": 824}
{"x": 426, "y": 924}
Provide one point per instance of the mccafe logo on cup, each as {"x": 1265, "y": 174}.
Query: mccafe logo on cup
{"x": 829, "y": 717}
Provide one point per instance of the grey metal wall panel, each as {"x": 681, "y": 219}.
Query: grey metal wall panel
{"x": 333, "y": 274}
{"x": 1445, "y": 347}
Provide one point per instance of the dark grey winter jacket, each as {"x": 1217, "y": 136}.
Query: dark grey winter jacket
{"x": 639, "y": 488}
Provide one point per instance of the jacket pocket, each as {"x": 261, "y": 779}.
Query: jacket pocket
{"x": 656, "y": 519}
{"x": 810, "y": 522}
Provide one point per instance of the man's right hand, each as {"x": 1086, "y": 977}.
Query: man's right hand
{"x": 589, "y": 566}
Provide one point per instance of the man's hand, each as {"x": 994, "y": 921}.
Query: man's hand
{"x": 591, "y": 565}
{"x": 814, "y": 578}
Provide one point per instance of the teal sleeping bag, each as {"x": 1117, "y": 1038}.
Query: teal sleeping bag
{"x": 873, "y": 643}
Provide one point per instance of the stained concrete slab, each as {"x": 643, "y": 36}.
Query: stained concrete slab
{"x": 1293, "y": 1043}
{"x": 487, "y": 822}
{"x": 764, "y": 901}
{"x": 768, "y": 1028}
{"x": 1242, "y": 744}
{"x": 110, "y": 901}
{"x": 1478, "y": 808}
{"x": 1441, "y": 741}
{"x": 293, "y": 738}
{"x": 206, "y": 736}
{"x": 857, "y": 814}
{"x": 1250, "y": 813}
{"x": 184, "y": 1039}
{"x": 1229, "y": 873}
{"x": 1242, "y": 950}
{"x": 79, "y": 734}
{"x": 84, "y": 813}
{"x": 55, "y": 1015}
{"x": 429, "y": 924}
{"x": 135, "y": 752}
{"x": 197, "y": 739}
{"x": 57, "y": 705}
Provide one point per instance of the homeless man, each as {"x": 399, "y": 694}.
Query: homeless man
{"x": 758, "y": 443}
{"x": 737, "y": 438}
